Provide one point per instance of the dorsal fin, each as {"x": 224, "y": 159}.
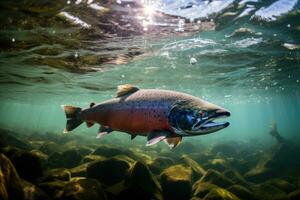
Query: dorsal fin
{"x": 126, "y": 89}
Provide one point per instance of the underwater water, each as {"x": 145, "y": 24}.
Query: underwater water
{"x": 243, "y": 55}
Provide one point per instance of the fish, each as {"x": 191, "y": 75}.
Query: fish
{"x": 160, "y": 115}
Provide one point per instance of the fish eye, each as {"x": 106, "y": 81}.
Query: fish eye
{"x": 202, "y": 113}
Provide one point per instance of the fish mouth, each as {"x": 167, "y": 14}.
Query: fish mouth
{"x": 210, "y": 124}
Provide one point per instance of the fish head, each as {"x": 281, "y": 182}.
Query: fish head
{"x": 196, "y": 118}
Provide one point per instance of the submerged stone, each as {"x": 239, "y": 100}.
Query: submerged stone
{"x": 241, "y": 192}
{"x": 160, "y": 163}
{"x": 32, "y": 192}
{"x": 109, "y": 171}
{"x": 282, "y": 184}
{"x": 220, "y": 194}
{"x": 54, "y": 189}
{"x": 295, "y": 195}
{"x": 28, "y": 165}
{"x": 176, "y": 182}
{"x": 141, "y": 184}
{"x": 10, "y": 182}
{"x": 198, "y": 171}
{"x": 225, "y": 149}
{"x": 268, "y": 191}
{"x": 61, "y": 174}
{"x": 215, "y": 177}
{"x": 89, "y": 189}
{"x": 202, "y": 189}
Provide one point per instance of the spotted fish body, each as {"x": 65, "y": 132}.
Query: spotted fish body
{"x": 137, "y": 112}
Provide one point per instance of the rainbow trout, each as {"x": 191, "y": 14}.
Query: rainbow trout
{"x": 157, "y": 114}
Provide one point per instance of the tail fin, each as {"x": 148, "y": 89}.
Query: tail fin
{"x": 73, "y": 119}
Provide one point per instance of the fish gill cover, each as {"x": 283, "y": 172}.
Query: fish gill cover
{"x": 240, "y": 54}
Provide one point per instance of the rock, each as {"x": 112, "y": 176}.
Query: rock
{"x": 28, "y": 165}
{"x": 215, "y": 177}
{"x": 89, "y": 158}
{"x": 198, "y": 171}
{"x": 217, "y": 164}
{"x": 89, "y": 189}
{"x": 7, "y": 138}
{"x": 295, "y": 195}
{"x": 10, "y": 182}
{"x": 176, "y": 178}
{"x": 202, "y": 189}
{"x": 187, "y": 147}
{"x": 236, "y": 177}
{"x": 241, "y": 192}
{"x": 55, "y": 160}
{"x": 32, "y": 192}
{"x": 220, "y": 194}
{"x": 71, "y": 158}
{"x": 160, "y": 163}
{"x": 141, "y": 184}
{"x": 107, "y": 151}
{"x": 67, "y": 159}
{"x": 54, "y": 189}
{"x": 109, "y": 171}
{"x": 225, "y": 149}
{"x": 268, "y": 191}
{"x": 50, "y": 148}
{"x": 281, "y": 157}
{"x": 80, "y": 170}
{"x": 83, "y": 151}
{"x": 282, "y": 184}
{"x": 61, "y": 174}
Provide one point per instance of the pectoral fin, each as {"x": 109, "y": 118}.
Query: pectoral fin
{"x": 156, "y": 136}
{"x": 172, "y": 142}
{"x": 103, "y": 130}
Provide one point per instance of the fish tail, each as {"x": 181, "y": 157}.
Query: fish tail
{"x": 73, "y": 117}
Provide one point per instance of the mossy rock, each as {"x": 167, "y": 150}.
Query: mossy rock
{"x": 198, "y": 170}
{"x": 7, "y": 138}
{"x": 141, "y": 184}
{"x": 225, "y": 149}
{"x": 108, "y": 151}
{"x": 28, "y": 165}
{"x": 241, "y": 192}
{"x": 282, "y": 184}
{"x": 32, "y": 192}
{"x": 10, "y": 182}
{"x": 176, "y": 182}
{"x": 218, "y": 164}
{"x": 215, "y": 177}
{"x": 109, "y": 171}
{"x": 90, "y": 158}
{"x": 50, "y": 148}
{"x": 66, "y": 159}
{"x": 268, "y": 191}
{"x": 79, "y": 170}
{"x": 295, "y": 195}
{"x": 236, "y": 177}
{"x": 220, "y": 194}
{"x": 79, "y": 189}
{"x": 56, "y": 174}
{"x": 160, "y": 163}
{"x": 71, "y": 158}
{"x": 202, "y": 189}
{"x": 83, "y": 151}
{"x": 54, "y": 189}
